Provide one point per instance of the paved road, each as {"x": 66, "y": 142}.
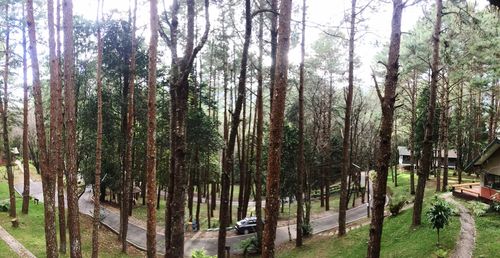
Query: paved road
{"x": 137, "y": 235}
{"x": 319, "y": 225}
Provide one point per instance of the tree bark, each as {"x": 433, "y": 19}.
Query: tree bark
{"x": 343, "y": 202}
{"x": 26, "y": 168}
{"x": 274, "y": 44}
{"x": 5, "y": 126}
{"x": 301, "y": 159}
{"x": 151, "y": 133}
{"x": 459, "y": 133}
{"x": 59, "y": 158}
{"x": 386, "y": 125}
{"x": 413, "y": 97}
{"x": 129, "y": 132}
{"x": 427, "y": 144}
{"x": 4, "y": 110}
{"x": 258, "y": 147}
{"x": 56, "y": 123}
{"x": 276, "y": 129}
{"x": 48, "y": 178}
{"x": 229, "y": 159}
{"x": 98, "y": 148}
{"x": 70, "y": 115}
{"x": 179, "y": 86}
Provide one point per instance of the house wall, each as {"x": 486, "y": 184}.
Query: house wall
{"x": 492, "y": 165}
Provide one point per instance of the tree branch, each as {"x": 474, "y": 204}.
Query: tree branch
{"x": 256, "y": 12}
{"x": 379, "y": 94}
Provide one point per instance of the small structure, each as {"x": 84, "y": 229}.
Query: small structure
{"x": 488, "y": 166}
{"x": 404, "y": 159}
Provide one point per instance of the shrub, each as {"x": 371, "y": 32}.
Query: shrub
{"x": 495, "y": 206}
{"x": 249, "y": 245}
{"x": 4, "y": 206}
{"x": 439, "y": 214}
{"x": 478, "y": 208}
{"x": 396, "y": 204}
{"x": 307, "y": 230}
{"x": 201, "y": 254}
{"x": 441, "y": 253}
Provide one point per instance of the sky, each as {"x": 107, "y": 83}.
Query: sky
{"x": 320, "y": 13}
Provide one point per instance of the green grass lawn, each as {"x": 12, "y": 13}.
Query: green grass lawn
{"x": 488, "y": 235}
{"x": 31, "y": 231}
{"x": 398, "y": 239}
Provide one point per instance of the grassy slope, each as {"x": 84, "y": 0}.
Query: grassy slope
{"x": 31, "y": 231}
{"x": 488, "y": 236}
{"x": 398, "y": 240}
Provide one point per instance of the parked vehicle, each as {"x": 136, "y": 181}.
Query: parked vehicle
{"x": 246, "y": 225}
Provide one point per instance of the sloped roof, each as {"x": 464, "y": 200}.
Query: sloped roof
{"x": 492, "y": 147}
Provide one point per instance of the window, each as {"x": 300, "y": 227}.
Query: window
{"x": 492, "y": 181}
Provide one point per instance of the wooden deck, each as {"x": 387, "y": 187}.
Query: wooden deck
{"x": 469, "y": 191}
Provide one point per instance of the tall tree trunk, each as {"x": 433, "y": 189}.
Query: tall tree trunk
{"x": 274, "y": 44}
{"x": 242, "y": 152}
{"x": 276, "y": 129}
{"x": 179, "y": 86}
{"x": 4, "y": 110}
{"x": 98, "y": 148}
{"x": 129, "y": 132}
{"x": 427, "y": 144}
{"x": 48, "y": 178}
{"x": 229, "y": 159}
{"x": 70, "y": 115}
{"x": 26, "y": 167}
{"x": 56, "y": 124}
{"x": 445, "y": 130}
{"x": 301, "y": 159}
{"x": 151, "y": 136}
{"x": 384, "y": 146}
{"x": 346, "y": 163}
{"x": 260, "y": 122}
{"x": 58, "y": 155}
{"x": 413, "y": 93}
{"x": 459, "y": 133}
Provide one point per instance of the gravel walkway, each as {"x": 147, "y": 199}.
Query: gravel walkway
{"x": 466, "y": 241}
{"x": 14, "y": 244}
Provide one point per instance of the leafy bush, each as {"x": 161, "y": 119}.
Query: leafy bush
{"x": 4, "y": 206}
{"x": 249, "y": 245}
{"x": 214, "y": 223}
{"x": 307, "y": 230}
{"x": 478, "y": 208}
{"x": 396, "y": 204}
{"x": 441, "y": 253}
{"x": 439, "y": 214}
{"x": 201, "y": 254}
{"x": 495, "y": 206}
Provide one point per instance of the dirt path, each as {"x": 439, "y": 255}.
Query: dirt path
{"x": 466, "y": 241}
{"x": 15, "y": 245}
